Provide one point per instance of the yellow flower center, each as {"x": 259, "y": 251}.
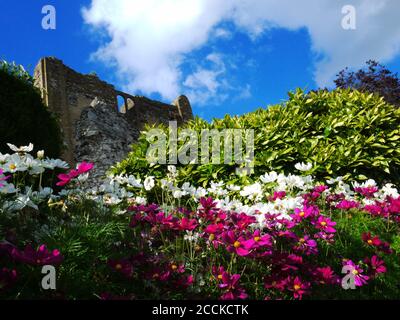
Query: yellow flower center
{"x": 220, "y": 277}
{"x": 13, "y": 166}
{"x": 323, "y": 223}
{"x": 174, "y": 267}
{"x": 296, "y": 287}
{"x": 236, "y": 244}
{"x": 302, "y": 240}
{"x": 256, "y": 239}
{"x": 369, "y": 241}
{"x": 118, "y": 266}
{"x": 211, "y": 237}
{"x": 355, "y": 272}
{"x": 301, "y": 214}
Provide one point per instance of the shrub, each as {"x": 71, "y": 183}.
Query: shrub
{"x": 343, "y": 132}
{"x": 24, "y": 118}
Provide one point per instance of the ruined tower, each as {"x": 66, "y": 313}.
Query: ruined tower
{"x": 68, "y": 93}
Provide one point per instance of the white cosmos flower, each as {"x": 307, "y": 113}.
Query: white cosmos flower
{"x": 23, "y": 149}
{"x": 34, "y": 167}
{"x": 269, "y": 177}
{"x": 177, "y": 193}
{"x": 149, "y": 183}
{"x": 172, "y": 169}
{"x": 133, "y": 182}
{"x": 366, "y": 184}
{"x": 333, "y": 181}
{"x": 301, "y": 166}
{"x": 253, "y": 191}
{"x": 232, "y": 187}
{"x": 14, "y": 164}
{"x": 388, "y": 190}
{"x": 200, "y": 193}
{"x": 188, "y": 189}
{"x": 140, "y": 200}
{"x": 4, "y": 158}
{"x": 55, "y": 163}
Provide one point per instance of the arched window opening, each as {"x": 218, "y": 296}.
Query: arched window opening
{"x": 121, "y": 104}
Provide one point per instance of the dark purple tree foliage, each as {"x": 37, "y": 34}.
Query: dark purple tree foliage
{"x": 375, "y": 78}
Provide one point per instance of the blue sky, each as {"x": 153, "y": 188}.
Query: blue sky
{"x": 227, "y": 56}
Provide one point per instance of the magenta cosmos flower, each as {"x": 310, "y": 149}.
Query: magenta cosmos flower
{"x": 325, "y": 275}
{"x": 186, "y": 224}
{"x": 306, "y": 245}
{"x": 375, "y": 265}
{"x": 298, "y": 287}
{"x": 65, "y": 178}
{"x": 257, "y": 241}
{"x": 347, "y": 204}
{"x": 123, "y": 266}
{"x": 325, "y": 224}
{"x": 235, "y": 244}
{"x": 359, "y": 278}
{"x": 230, "y": 283}
{"x": 38, "y": 257}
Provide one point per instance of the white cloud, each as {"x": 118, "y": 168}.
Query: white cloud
{"x": 151, "y": 39}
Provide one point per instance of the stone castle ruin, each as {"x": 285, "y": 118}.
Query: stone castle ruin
{"x": 94, "y": 126}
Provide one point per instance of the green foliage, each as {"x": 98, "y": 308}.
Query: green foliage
{"x": 343, "y": 132}
{"x": 23, "y": 116}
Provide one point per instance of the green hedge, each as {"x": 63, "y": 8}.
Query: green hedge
{"x": 342, "y": 132}
{"x": 23, "y": 116}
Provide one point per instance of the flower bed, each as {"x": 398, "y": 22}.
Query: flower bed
{"x": 281, "y": 237}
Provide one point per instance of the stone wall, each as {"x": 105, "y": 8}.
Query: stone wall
{"x": 103, "y": 136}
{"x": 70, "y": 95}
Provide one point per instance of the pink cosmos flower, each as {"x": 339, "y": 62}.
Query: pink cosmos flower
{"x": 359, "y": 278}
{"x": 235, "y": 244}
{"x": 306, "y": 245}
{"x": 298, "y": 287}
{"x": 186, "y": 224}
{"x": 230, "y": 283}
{"x": 38, "y": 257}
{"x": 258, "y": 241}
{"x": 123, "y": 266}
{"x": 277, "y": 195}
{"x": 241, "y": 221}
{"x": 325, "y": 224}
{"x": 372, "y": 241}
{"x": 320, "y": 188}
{"x": 65, "y": 178}
{"x": 325, "y": 275}
{"x": 375, "y": 265}
{"x": 305, "y": 212}
{"x": 367, "y": 192}
{"x": 347, "y": 204}
{"x": 376, "y": 242}
{"x": 84, "y": 167}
